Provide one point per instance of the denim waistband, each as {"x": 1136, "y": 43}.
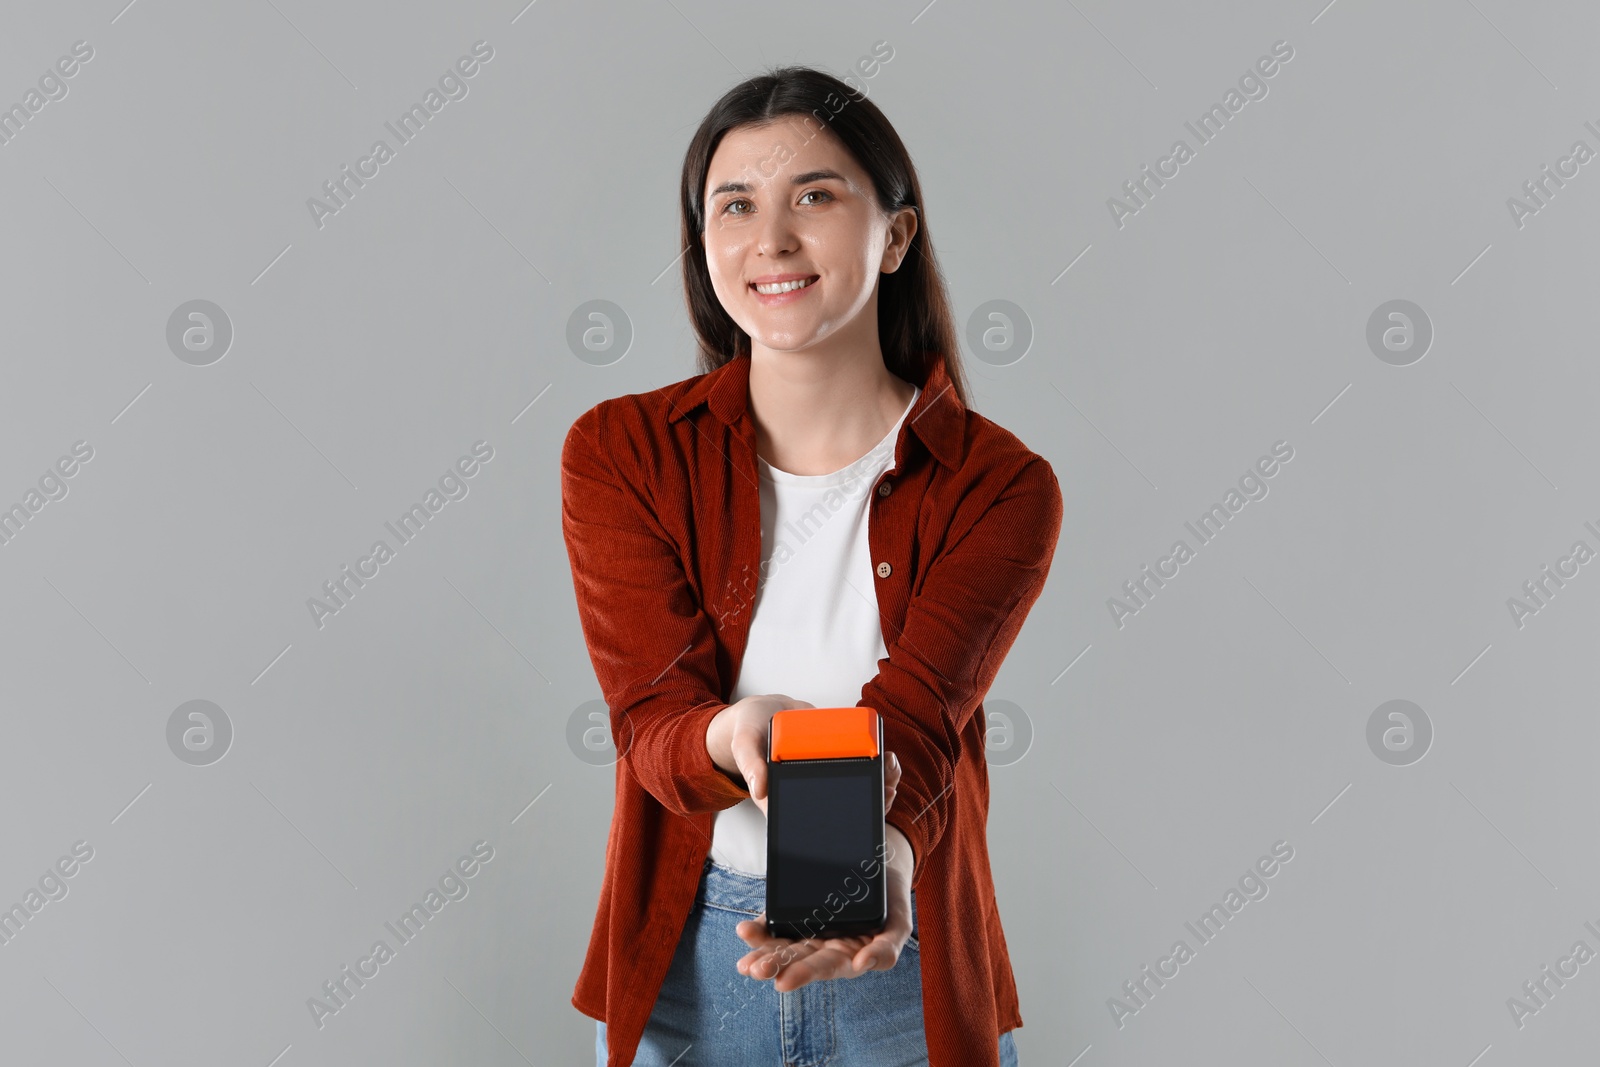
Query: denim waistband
{"x": 728, "y": 888}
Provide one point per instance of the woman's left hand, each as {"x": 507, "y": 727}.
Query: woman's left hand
{"x": 792, "y": 964}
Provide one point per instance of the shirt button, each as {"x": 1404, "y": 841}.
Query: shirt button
{"x": 883, "y": 488}
{"x": 883, "y": 570}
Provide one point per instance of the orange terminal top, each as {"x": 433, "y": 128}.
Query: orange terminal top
{"x": 824, "y": 733}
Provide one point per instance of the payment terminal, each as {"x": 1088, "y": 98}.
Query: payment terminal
{"x": 825, "y": 826}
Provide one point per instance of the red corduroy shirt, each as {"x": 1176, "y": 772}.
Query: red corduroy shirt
{"x": 660, "y": 510}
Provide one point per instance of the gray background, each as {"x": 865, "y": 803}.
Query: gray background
{"x": 432, "y": 312}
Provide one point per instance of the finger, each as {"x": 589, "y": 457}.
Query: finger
{"x": 828, "y": 962}
{"x": 828, "y": 955}
{"x": 754, "y": 932}
{"x": 760, "y": 964}
{"x": 770, "y": 961}
{"x": 879, "y": 954}
{"x": 795, "y": 976}
{"x": 754, "y": 935}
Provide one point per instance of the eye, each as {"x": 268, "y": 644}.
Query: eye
{"x": 728, "y": 207}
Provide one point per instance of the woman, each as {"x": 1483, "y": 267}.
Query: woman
{"x": 818, "y": 512}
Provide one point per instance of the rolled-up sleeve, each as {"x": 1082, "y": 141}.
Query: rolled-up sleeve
{"x": 958, "y": 628}
{"x": 652, "y": 647}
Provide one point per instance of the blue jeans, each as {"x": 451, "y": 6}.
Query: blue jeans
{"x": 709, "y": 1015}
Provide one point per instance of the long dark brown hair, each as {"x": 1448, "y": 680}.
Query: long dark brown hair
{"x": 915, "y": 325}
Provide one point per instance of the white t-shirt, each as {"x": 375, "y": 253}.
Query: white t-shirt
{"x": 814, "y": 632}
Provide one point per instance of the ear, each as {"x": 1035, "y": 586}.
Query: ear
{"x": 901, "y": 229}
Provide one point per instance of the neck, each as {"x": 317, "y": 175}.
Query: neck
{"x": 822, "y": 409}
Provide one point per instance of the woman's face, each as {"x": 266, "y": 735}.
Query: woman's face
{"x": 786, "y": 201}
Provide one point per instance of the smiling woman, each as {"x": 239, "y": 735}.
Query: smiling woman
{"x": 829, "y": 359}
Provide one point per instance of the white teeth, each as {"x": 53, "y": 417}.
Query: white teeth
{"x": 783, "y": 287}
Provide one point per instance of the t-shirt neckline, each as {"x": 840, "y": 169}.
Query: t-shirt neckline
{"x": 850, "y": 470}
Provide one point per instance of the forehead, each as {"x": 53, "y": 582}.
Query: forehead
{"x": 792, "y": 144}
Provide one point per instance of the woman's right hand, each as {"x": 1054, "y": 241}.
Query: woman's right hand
{"x": 736, "y": 739}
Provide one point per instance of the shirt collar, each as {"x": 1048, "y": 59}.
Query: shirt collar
{"x": 937, "y": 418}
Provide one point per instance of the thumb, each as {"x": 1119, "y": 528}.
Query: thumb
{"x": 752, "y": 778}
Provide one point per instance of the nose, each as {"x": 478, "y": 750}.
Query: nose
{"x": 777, "y": 234}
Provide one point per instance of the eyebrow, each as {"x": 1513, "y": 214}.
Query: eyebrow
{"x": 798, "y": 179}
